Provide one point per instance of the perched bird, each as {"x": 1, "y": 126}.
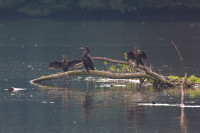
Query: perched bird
{"x": 87, "y": 60}
{"x": 64, "y": 64}
{"x": 138, "y": 56}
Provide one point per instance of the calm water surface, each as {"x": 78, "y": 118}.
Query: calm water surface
{"x": 27, "y": 46}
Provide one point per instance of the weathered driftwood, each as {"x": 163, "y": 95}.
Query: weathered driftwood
{"x": 118, "y": 61}
{"x": 142, "y": 69}
{"x": 93, "y": 72}
{"x": 158, "y": 77}
{"x": 140, "y": 72}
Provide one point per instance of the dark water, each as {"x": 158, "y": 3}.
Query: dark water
{"x": 27, "y": 46}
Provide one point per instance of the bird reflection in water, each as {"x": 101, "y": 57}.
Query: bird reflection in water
{"x": 87, "y": 105}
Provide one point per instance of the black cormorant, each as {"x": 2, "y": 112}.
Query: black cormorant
{"x": 138, "y": 56}
{"x": 64, "y": 64}
{"x": 87, "y": 60}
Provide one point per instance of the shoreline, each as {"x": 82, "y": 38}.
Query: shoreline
{"x": 102, "y": 15}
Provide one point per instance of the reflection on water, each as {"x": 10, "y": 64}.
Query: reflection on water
{"x": 96, "y": 110}
{"x": 123, "y": 102}
{"x": 183, "y": 117}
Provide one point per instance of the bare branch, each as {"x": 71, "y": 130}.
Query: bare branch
{"x": 93, "y": 72}
{"x": 180, "y": 57}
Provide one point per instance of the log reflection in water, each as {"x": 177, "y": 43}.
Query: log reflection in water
{"x": 183, "y": 120}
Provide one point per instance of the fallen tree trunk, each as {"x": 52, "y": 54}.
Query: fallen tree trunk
{"x": 158, "y": 77}
{"x": 93, "y": 72}
{"x": 145, "y": 69}
{"x": 140, "y": 72}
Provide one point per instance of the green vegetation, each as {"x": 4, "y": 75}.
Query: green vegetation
{"x": 174, "y": 77}
{"x": 192, "y": 78}
{"x": 48, "y": 7}
{"x": 119, "y": 67}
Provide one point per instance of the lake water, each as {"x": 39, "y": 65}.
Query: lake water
{"x": 28, "y": 45}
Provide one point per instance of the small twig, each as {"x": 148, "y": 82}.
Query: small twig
{"x": 185, "y": 83}
{"x": 180, "y": 57}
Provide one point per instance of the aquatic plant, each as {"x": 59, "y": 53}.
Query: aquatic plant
{"x": 105, "y": 63}
{"x": 191, "y": 78}
{"x": 174, "y": 77}
{"x": 125, "y": 56}
{"x": 149, "y": 81}
{"x": 119, "y": 68}
{"x": 194, "y": 78}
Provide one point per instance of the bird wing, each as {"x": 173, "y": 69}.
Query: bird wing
{"x": 143, "y": 55}
{"x": 71, "y": 64}
{"x": 55, "y": 65}
{"x": 88, "y": 62}
{"x": 131, "y": 56}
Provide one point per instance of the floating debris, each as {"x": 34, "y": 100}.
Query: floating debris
{"x": 189, "y": 101}
{"x": 78, "y": 78}
{"x": 105, "y": 85}
{"x": 169, "y": 105}
{"x": 119, "y": 85}
{"x": 45, "y": 102}
{"x": 13, "y": 89}
{"x": 90, "y": 79}
{"x": 103, "y": 80}
{"x": 118, "y": 80}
